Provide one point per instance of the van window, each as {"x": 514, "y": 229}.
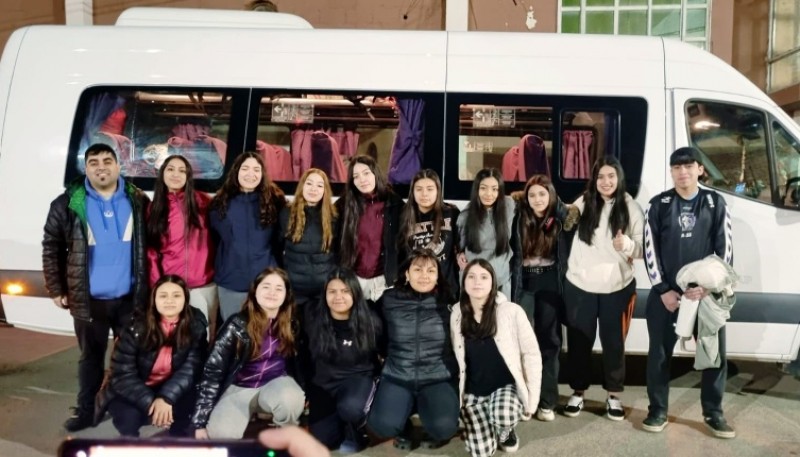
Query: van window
{"x": 146, "y": 126}
{"x": 586, "y": 136}
{"x": 298, "y": 131}
{"x": 787, "y": 158}
{"x": 733, "y": 141}
{"x": 518, "y": 140}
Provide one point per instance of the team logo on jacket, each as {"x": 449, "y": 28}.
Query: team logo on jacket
{"x": 687, "y": 222}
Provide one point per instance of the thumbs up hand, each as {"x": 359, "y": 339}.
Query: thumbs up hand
{"x": 619, "y": 240}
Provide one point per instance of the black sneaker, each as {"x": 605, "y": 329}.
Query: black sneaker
{"x": 719, "y": 427}
{"x": 403, "y": 443}
{"x": 432, "y": 444}
{"x": 654, "y": 424}
{"x": 511, "y": 444}
{"x": 78, "y": 421}
{"x": 574, "y": 405}
{"x": 614, "y": 410}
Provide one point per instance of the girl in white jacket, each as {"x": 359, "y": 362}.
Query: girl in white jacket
{"x": 499, "y": 362}
{"x": 600, "y": 286}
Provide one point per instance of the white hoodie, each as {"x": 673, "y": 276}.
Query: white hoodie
{"x": 600, "y": 268}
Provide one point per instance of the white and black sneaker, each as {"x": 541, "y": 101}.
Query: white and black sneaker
{"x": 614, "y": 410}
{"x": 574, "y": 405}
{"x": 511, "y": 443}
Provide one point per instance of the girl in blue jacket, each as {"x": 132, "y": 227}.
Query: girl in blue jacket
{"x": 244, "y": 218}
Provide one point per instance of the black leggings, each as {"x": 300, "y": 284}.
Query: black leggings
{"x": 339, "y": 413}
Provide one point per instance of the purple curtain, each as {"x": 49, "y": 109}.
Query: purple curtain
{"x": 406, "y": 158}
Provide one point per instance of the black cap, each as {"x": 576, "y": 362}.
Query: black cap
{"x": 683, "y": 156}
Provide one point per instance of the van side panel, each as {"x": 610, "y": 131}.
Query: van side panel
{"x": 7, "y": 72}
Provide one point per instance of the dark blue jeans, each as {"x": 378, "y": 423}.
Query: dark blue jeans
{"x": 661, "y": 327}
{"x": 437, "y": 405}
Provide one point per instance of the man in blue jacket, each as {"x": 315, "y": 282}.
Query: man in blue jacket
{"x": 94, "y": 263}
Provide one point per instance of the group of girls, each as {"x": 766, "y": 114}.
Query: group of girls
{"x": 358, "y": 323}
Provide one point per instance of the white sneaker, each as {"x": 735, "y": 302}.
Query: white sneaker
{"x": 545, "y": 415}
{"x": 574, "y": 405}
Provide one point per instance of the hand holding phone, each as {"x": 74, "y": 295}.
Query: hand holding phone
{"x": 166, "y": 447}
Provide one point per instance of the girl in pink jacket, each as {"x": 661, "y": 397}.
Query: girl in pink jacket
{"x": 178, "y": 237}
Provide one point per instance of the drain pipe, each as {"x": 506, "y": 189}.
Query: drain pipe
{"x": 79, "y": 12}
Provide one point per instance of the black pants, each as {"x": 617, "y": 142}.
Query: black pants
{"x": 437, "y": 405}
{"x": 661, "y": 328}
{"x": 339, "y": 413}
{"x": 93, "y": 342}
{"x": 545, "y": 309}
{"x": 128, "y": 418}
{"x": 584, "y": 311}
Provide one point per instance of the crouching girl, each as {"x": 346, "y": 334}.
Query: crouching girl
{"x": 499, "y": 362}
{"x": 156, "y": 363}
{"x": 251, "y": 364}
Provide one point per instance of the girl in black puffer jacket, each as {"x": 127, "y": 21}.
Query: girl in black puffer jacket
{"x": 420, "y": 371}
{"x": 156, "y": 364}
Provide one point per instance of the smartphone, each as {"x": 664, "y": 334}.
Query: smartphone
{"x": 166, "y": 447}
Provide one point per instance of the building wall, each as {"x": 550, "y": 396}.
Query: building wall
{"x": 751, "y": 40}
{"x": 17, "y": 13}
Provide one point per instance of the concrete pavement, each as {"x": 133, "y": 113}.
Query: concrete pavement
{"x": 38, "y": 384}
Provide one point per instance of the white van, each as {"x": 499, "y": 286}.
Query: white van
{"x": 454, "y": 102}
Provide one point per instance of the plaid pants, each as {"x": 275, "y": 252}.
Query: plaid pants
{"x": 488, "y": 420}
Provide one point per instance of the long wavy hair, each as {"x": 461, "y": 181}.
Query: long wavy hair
{"x": 297, "y": 213}
{"x": 158, "y": 220}
{"x": 353, "y": 207}
{"x": 258, "y": 322}
{"x": 424, "y": 256}
{"x": 537, "y": 238}
{"x": 619, "y": 218}
{"x": 362, "y": 322}
{"x": 408, "y": 217}
{"x": 476, "y": 214}
{"x": 153, "y": 336}
{"x": 488, "y": 325}
{"x": 271, "y": 198}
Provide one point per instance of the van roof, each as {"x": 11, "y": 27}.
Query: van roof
{"x": 193, "y": 17}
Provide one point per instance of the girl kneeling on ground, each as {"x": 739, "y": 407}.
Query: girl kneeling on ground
{"x": 251, "y": 366}
{"x": 499, "y": 362}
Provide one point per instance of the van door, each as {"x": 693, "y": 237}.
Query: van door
{"x": 752, "y": 157}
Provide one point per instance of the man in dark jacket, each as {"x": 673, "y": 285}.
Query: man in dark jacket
{"x": 682, "y": 225}
{"x": 94, "y": 263}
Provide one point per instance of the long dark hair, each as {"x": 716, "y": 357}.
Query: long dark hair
{"x": 538, "y": 234}
{"x": 271, "y": 198}
{"x": 362, "y": 322}
{"x": 619, "y": 217}
{"x": 408, "y": 217}
{"x": 353, "y": 208}
{"x": 258, "y": 321}
{"x": 476, "y": 214}
{"x": 158, "y": 220}
{"x": 424, "y": 255}
{"x": 154, "y": 337}
{"x": 488, "y": 325}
